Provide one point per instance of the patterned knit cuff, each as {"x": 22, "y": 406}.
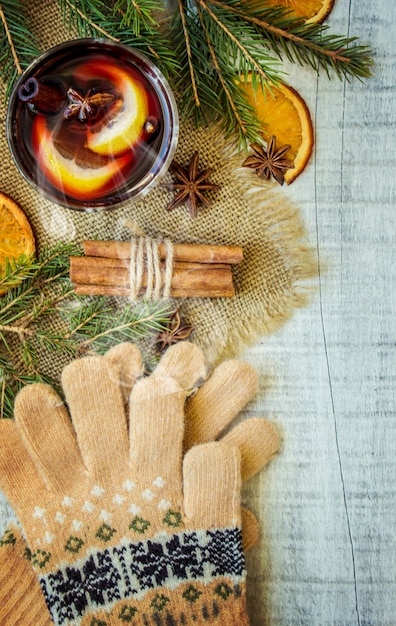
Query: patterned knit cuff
{"x": 189, "y": 573}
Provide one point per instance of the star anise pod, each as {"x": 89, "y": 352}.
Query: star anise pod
{"x": 269, "y": 162}
{"x": 175, "y": 331}
{"x": 84, "y": 107}
{"x": 190, "y": 185}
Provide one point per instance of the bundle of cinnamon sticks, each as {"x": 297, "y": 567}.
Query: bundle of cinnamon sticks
{"x": 199, "y": 270}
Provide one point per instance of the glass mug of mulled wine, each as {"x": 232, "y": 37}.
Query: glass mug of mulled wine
{"x": 92, "y": 124}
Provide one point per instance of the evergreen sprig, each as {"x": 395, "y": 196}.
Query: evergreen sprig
{"x": 15, "y": 271}
{"x": 205, "y": 51}
{"x": 18, "y": 46}
{"x": 97, "y": 326}
{"x": 136, "y": 24}
{"x": 41, "y": 316}
{"x": 137, "y": 15}
{"x": 218, "y": 43}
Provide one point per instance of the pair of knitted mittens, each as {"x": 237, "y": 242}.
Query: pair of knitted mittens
{"x": 128, "y": 501}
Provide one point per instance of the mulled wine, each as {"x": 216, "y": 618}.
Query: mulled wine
{"x": 92, "y": 124}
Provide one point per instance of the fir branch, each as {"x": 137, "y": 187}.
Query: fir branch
{"x": 222, "y": 76}
{"x": 225, "y": 41}
{"x": 15, "y": 271}
{"x": 135, "y": 27}
{"x": 239, "y": 44}
{"x": 10, "y": 41}
{"x": 96, "y": 325}
{"x": 219, "y": 56}
{"x": 137, "y": 14}
{"x": 209, "y": 46}
{"x": 18, "y": 46}
{"x": 42, "y": 315}
{"x": 81, "y": 20}
{"x": 189, "y": 53}
{"x": 51, "y": 266}
{"x": 301, "y": 41}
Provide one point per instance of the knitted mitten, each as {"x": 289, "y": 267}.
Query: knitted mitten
{"x": 114, "y": 532}
{"x": 209, "y": 412}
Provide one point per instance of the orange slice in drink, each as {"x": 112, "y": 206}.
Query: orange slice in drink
{"x": 83, "y": 175}
{"x": 311, "y": 10}
{"x": 16, "y": 235}
{"x": 123, "y": 124}
{"x": 285, "y": 115}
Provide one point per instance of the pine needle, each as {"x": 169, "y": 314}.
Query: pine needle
{"x": 18, "y": 46}
{"x": 219, "y": 43}
{"x": 209, "y": 46}
{"x": 42, "y": 319}
{"x": 127, "y": 22}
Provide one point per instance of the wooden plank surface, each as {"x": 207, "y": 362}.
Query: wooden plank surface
{"x": 327, "y": 504}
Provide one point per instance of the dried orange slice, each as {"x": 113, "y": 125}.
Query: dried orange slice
{"x": 311, "y": 10}
{"x": 16, "y": 235}
{"x": 285, "y": 115}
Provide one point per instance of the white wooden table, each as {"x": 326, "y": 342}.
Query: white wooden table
{"x": 327, "y": 504}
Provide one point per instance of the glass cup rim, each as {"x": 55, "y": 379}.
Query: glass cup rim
{"x": 164, "y": 93}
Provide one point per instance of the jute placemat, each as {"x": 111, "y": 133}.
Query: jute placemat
{"x": 278, "y": 263}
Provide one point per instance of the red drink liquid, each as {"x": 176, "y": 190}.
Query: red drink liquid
{"x": 109, "y": 136}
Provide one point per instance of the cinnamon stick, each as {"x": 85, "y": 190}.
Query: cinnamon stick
{"x": 108, "y": 262}
{"x": 46, "y": 97}
{"x": 198, "y": 270}
{"x": 113, "y": 290}
{"x": 182, "y": 278}
{"x": 190, "y": 252}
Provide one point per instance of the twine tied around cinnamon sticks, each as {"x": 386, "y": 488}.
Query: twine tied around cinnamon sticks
{"x": 154, "y": 269}
{"x": 145, "y": 259}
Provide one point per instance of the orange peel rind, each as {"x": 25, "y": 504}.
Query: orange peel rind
{"x": 16, "y": 235}
{"x": 284, "y": 114}
{"x": 123, "y": 124}
{"x": 314, "y": 11}
{"x": 65, "y": 174}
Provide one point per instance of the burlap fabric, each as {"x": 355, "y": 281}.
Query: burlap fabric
{"x": 272, "y": 280}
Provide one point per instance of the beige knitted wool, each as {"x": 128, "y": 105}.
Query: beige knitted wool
{"x": 26, "y": 594}
{"x": 21, "y": 600}
{"x": 149, "y": 397}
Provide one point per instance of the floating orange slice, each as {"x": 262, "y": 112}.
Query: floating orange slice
{"x": 65, "y": 172}
{"x": 284, "y": 114}
{"x": 123, "y": 124}
{"x": 16, "y": 235}
{"x": 311, "y": 10}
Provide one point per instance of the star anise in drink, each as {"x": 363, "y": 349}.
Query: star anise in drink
{"x": 86, "y": 106}
{"x": 175, "y": 331}
{"x": 190, "y": 185}
{"x": 269, "y": 162}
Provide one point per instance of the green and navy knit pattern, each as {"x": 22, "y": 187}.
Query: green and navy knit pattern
{"x": 129, "y": 570}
